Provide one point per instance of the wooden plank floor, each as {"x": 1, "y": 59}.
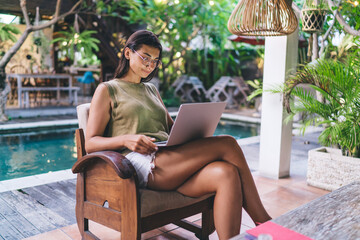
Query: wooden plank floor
{"x": 31, "y": 211}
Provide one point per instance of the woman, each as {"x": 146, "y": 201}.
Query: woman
{"x": 128, "y": 115}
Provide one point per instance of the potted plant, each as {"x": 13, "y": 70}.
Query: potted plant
{"x": 337, "y": 110}
{"x": 313, "y": 15}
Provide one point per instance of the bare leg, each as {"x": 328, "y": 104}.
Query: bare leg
{"x": 223, "y": 179}
{"x": 174, "y": 165}
{"x": 252, "y": 203}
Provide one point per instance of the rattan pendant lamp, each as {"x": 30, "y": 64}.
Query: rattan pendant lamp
{"x": 263, "y": 18}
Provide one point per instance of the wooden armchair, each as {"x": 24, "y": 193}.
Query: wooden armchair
{"x": 107, "y": 192}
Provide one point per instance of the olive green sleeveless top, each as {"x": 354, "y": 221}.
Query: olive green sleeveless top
{"x": 136, "y": 109}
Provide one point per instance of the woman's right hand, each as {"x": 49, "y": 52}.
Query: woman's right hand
{"x": 141, "y": 144}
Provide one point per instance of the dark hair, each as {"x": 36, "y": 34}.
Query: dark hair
{"x": 135, "y": 42}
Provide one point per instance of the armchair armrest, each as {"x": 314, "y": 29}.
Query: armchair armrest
{"x": 118, "y": 162}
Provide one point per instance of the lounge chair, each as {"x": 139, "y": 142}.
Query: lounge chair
{"x": 189, "y": 89}
{"x": 233, "y": 90}
{"x": 243, "y": 89}
{"x": 107, "y": 192}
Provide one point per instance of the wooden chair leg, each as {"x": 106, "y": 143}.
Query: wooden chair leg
{"x": 89, "y": 236}
{"x": 207, "y": 224}
{"x": 130, "y": 226}
{"x": 130, "y": 219}
{"x": 130, "y": 234}
{"x": 83, "y": 224}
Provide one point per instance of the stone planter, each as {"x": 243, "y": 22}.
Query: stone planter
{"x": 329, "y": 170}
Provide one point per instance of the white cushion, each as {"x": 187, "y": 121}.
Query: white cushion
{"x": 83, "y": 115}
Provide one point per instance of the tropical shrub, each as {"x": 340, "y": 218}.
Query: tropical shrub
{"x": 72, "y": 41}
{"x": 194, "y": 37}
{"x": 338, "y": 108}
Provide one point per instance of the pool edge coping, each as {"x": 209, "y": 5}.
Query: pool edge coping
{"x": 36, "y": 180}
{"x": 50, "y": 123}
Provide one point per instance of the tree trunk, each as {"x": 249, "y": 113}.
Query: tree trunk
{"x": 314, "y": 57}
{"x": 4, "y": 91}
{"x": 5, "y": 86}
{"x": 2, "y": 77}
{"x": 315, "y": 48}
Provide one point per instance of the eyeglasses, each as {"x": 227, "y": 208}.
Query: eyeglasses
{"x": 147, "y": 61}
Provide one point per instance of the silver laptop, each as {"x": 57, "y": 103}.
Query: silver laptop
{"x": 194, "y": 121}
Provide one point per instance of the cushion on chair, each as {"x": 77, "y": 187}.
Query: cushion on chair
{"x": 158, "y": 201}
{"x": 83, "y": 115}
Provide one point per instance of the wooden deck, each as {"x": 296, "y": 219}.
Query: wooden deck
{"x": 31, "y": 211}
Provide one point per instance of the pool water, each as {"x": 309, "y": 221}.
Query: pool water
{"x": 25, "y": 154}
{"x": 237, "y": 129}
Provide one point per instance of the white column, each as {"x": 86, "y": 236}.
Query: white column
{"x": 275, "y": 136}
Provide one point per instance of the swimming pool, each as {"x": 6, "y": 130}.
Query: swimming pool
{"x": 36, "y": 152}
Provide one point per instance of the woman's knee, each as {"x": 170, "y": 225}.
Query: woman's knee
{"x": 225, "y": 173}
{"x": 227, "y": 140}
{"x": 227, "y": 144}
